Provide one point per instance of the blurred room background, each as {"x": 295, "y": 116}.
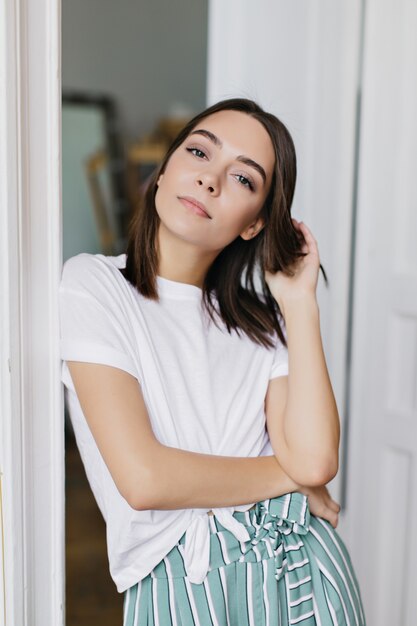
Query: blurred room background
{"x": 133, "y": 72}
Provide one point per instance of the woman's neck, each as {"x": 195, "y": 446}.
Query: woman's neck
{"x": 181, "y": 261}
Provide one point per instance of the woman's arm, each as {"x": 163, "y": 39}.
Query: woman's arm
{"x": 150, "y": 475}
{"x": 302, "y": 417}
{"x": 305, "y": 429}
{"x": 190, "y": 479}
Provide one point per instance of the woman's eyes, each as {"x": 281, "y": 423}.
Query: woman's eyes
{"x": 245, "y": 181}
{"x": 198, "y": 150}
{"x": 249, "y": 184}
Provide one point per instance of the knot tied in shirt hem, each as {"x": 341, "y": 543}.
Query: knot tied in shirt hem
{"x": 197, "y": 541}
{"x": 284, "y": 516}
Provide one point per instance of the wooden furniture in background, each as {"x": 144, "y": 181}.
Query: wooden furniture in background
{"x": 144, "y": 155}
{"x": 95, "y": 166}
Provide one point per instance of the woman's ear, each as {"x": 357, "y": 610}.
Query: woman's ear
{"x": 159, "y": 179}
{"x": 253, "y": 229}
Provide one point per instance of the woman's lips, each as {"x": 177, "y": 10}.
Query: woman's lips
{"x": 194, "y": 208}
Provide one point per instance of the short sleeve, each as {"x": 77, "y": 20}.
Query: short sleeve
{"x": 93, "y": 327}
{"x": 280, "y": 360}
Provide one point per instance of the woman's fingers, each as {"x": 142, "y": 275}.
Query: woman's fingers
{"x": 330, "y": 515}
{"x": 333, "y": 509}
{"x": 322, "y": 505}
{"x": 335, "y": 520}
{"x": 334, "y": 505}
{"x": 308, "y": 235}
{"x": 330, "y": 509}
{"x": 309, "y": 240}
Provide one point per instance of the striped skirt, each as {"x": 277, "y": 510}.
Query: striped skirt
{"x": 294, "y": 570}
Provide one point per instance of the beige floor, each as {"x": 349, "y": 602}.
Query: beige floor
{"x": 91, "y": 595}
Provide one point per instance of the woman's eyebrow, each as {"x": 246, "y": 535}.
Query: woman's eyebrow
{"x": 243, "y": 159}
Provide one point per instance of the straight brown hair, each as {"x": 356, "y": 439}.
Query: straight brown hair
{"x": 275, "y": 248}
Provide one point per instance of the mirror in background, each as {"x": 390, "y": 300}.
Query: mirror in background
{"x": 94, "y": 200}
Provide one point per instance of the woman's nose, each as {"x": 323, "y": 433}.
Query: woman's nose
{"x": 210, "y": 180}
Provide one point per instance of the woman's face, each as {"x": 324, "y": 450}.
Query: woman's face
{"x": 221, "y": 164}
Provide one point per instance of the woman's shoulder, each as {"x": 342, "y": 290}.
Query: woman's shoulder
{"x": 90, "y": 272}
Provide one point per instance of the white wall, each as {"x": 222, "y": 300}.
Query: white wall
{"x": 149, "y": 53}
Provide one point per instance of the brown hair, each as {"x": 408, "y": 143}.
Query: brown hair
{"x": 275, "y": 248}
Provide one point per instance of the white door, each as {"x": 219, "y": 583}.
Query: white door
{"x": 382, "y": 486}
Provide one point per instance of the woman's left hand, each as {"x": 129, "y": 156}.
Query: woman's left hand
{"x": 306, "y": 271}
{"x": 321, "y": 504}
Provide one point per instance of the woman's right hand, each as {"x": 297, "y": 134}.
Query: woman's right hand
{"x": 321, "y": 503}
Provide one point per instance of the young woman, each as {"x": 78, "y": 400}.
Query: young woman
{"x": 198, "y": 390}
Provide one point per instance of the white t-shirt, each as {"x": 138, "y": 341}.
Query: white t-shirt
{"x": 203, "y": 387}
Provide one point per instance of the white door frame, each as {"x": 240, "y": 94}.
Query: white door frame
{"x": 32, "y": 572}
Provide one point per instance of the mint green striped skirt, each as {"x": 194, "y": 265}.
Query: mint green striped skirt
{"x": 294, "y": 570}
